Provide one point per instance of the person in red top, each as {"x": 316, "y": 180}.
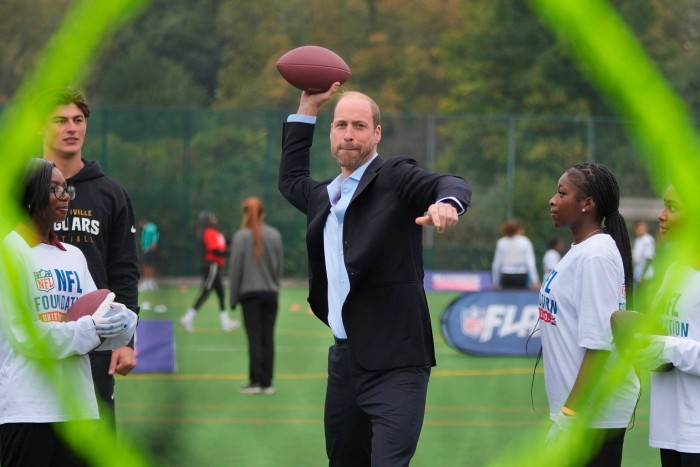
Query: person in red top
{"x": 214, "y": 254}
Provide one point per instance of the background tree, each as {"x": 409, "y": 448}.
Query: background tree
{"x": 189, "y": 93}
{"x": 25, "y": 27}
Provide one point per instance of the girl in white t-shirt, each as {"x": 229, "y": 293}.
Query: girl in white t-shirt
{"x": 576, "y": 300}
{"x": 675, "y": 394}
{"x": 50, "y": 276}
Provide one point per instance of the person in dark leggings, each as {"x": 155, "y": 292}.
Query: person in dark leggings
{"x": 214, "y": 255}
{"x": 256, "y": 267}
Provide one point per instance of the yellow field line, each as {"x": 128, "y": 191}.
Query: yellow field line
{"x": 313, "y": 421}
{"x": 319, "y": 421}
{"x": 320, "y": 375}
{"x": 290, "y": 407}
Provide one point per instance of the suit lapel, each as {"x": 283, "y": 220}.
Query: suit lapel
{"x": 368, "y": 176}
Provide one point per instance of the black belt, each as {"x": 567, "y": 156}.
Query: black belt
{"x": 341, "y": 342}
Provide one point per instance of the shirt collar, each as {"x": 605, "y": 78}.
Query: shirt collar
{"x": 53, "y": 241}
{"x": 30, "y": 236}
{"x": 360, "y": 171}
{"x": 333, "y": 188}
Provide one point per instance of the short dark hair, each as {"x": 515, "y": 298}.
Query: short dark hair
{"x": 35, "y": 189}
{"x": 53, "y": 98}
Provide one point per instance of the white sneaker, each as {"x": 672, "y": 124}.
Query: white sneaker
{"x": 228, "y": 324}
{"x": 187, "y": 320}
{"x": 250, "y": 389}
{"x": 160, "y": 308}
{"x": 146, "y": 306}
{"x": 270, "y": 390}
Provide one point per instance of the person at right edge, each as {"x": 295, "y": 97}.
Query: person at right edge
{"x": 673, "y": 358}
{"x": 364, "y": 243}
{"x": 101, "y": 223}
{"x": 592, "y": 280}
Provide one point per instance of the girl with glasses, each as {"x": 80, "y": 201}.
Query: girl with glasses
{"x": 48, "y": 277}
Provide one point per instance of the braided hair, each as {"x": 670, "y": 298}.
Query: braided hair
{"x": 598, "y": 182}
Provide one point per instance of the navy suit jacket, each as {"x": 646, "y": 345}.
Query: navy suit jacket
{"x": 386, "y": 313}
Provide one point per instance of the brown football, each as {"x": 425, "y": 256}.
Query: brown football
{"x": 87, "y": 304}
{"x": 312, "y": 68}
{"x": 626, "y": 323}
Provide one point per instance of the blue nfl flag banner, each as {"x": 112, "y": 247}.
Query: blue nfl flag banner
{"x": 154, "y": 345}
{"x": 493, "y": 322}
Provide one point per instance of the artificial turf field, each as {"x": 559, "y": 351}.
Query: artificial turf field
{"x": 477, "y": 408}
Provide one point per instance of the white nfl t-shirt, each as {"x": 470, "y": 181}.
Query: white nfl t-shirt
{"x": 54, "y": 279}
{"x": 675, "y": 395}
{"x": 575, "y": 303}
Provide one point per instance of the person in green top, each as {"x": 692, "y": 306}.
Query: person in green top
{"x": 149, "y": 254}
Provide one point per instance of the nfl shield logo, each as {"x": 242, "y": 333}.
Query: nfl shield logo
{"x": 44, "y": 280}
{"x": 472, "y": 322}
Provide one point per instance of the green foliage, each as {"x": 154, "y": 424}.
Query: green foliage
{"x": 480, "y": 56}
{"x": 139, "y": 76}
{"x": 84, "y": 28}
{"x": 480, "y": 88}
{"x": 168, "y": 57}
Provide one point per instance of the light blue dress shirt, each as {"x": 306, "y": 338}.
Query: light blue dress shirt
{"x": 340, "y": 193}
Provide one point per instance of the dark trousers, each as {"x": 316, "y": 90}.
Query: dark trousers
{"x": 671, "y": 458}
{"x": 514, "y": 281}
{"x": 104, "y": 385}
{"x": 609, "y": 442}
{"x": 372, "y": 417}
{"x": 259, "y": 315}
{"x": 604, "y": 448}
{"x": 211, "y": 280}
{"x": 36, "y": 445}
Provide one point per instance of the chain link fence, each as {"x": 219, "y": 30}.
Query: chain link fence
{"x": 175, "y": 163}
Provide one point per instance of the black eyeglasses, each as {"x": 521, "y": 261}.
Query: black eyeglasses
{"x": 60, "y": 191}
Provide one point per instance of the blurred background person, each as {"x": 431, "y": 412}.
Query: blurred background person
{"x": 255, "y": 271}
{"x": 552, "y": 256}
{"x": 514, "y": 259}
{"x": 150, "y": 238}
{"x": 214, "y": 252}
{"x": 643, "y": 252}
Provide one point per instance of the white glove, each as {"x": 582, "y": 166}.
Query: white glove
{"x": 649, "y": 353}
{"x": 560, "y": 423}
{"x": 118, "y": 320}
{"x": 104, "y": 306}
